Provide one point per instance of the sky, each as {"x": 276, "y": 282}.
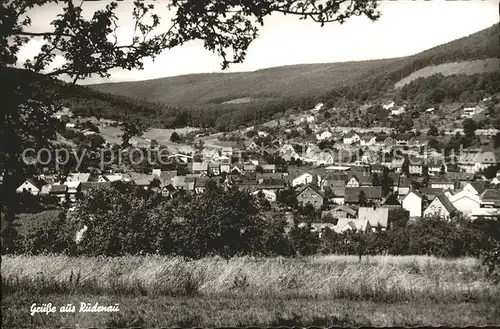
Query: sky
{"x": 405, "y": 28}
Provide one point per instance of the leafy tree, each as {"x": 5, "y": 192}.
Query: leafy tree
{"x": 386, "y": 182}
{"x": 287, "y": 197}
{"x": 222, "y": 222}
{"x": 308, "y": 211}
{"x": 433, "y": 131}
{"x": 496, "y": 140}
{"x": 434, "y": 143}
{"x": 490, "y": 172}
{"x": 308, "y": 130}
{"x": 91, "y": 48}
{"x": 124, "y": 219}
{"x": 442, "y": 170}
{"x": 405, "y": 167}
{"x": 362, "y": 200}
{"x": 96, "y": 141}
{"x": 470, "y": 127}
{"x": 174, "y": 137}
{"x": 130, "y": 130}
{"x": 304, "y": 242}
{"x": 251, "y": 133}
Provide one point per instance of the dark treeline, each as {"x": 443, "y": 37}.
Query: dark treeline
{"x": 125, "y": 219}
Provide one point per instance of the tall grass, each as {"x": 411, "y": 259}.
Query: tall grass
{"x": 379, "y": 278}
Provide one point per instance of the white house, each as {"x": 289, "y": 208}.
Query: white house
{"x": 443, "y": 183}
{"x": 318, "y": 107}
{"x": 323, "y": 135}
{"x": 110, "y": 178}
{"x": 368, "y": 140}
{"x": 351, "y": 224}
{"x": 270, "y": 195}
{"x": 441, "y": 207}
{"x": 469, "y": 112}
{"x": 310, "y": 118}
{"x": 475, "y": 187}
{"x": 78, "y": 177}
{"x": 31, "y": 185}
{"x": 413, "y": 203}
{"x": 495, "y": 181}
{"x": 400, "y": 110}
{"x": 388, "y": 106}
{"x": 351, "y": 138}
{"x": 73, "y": 188}
{"x": 465, "y": 201}
{"x": 302, "y": 179}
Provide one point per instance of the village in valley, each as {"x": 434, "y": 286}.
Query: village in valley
{"x": 320, "y": 176}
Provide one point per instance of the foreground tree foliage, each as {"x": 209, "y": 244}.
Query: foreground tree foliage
{"x": 90, "y": 47}
{"x": 125, "y": 219}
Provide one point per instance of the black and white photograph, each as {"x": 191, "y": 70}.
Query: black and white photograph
{"x": 249, "y": 163}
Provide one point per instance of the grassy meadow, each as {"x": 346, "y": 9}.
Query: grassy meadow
{"x": 158, "y": 291}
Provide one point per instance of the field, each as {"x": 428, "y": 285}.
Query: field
{"x": 158, "y": 291}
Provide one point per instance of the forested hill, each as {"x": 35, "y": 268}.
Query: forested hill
{"x": 372, "y": 78}
{"x": 227, "y": 101}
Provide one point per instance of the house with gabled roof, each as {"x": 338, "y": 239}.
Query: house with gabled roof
{"x": 475, "y": 187}
{"x": 472, "y": 162}
{"x": 78, "y": 177}
{"x": 214, "y": 168}
{"x": 440, "y": 207}
{"x": 351, "y": 138}
{"x": 200, "y": 183}
{"x": 302, "y": 179}
{"x": 413, "y": 202}
{"x": 384, "y": 140}
{"x": 377, "y": 217}
{"x": 340, "y": 211}
{"x": 490, "y": 198}
{"x": 359, "y": 180}
{"x": 405, "y": 139}
{"x": 368, "y": 140}
{"x": 430, "y": 193}
{"x": 334, "y": 180}
{"x": 310, "y": 194}
{"x": 166, "y": 176}
{"x": 352, "y": 224}
{"x": 199, "y": 168}
{"x": 495, "y": 181}
{"x": 269, "y": 195}
{"x": 60, "y": 191}
{"x": 252, "y": 145}
{"x": 338, "y": 195}
{"x": 31, "y": 185}
{"x": 443, "y": 183}
{"x": 390, "y": 201}
{"x": 169, "y": 191}
{"x": 323, "y": 135}
{"x": 465, "y": 201}
{"x": 373, "y": 194}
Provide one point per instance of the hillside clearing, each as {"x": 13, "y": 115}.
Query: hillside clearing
{"x": 469, "y": 68}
